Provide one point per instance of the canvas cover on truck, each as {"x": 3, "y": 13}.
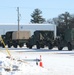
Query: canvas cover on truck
{"x": 21, "y": 35}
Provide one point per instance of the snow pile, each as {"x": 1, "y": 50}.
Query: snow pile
{"x": 18, "y": 67}
{"x": 27, "y": 69}
{"x": 54, "y": 62}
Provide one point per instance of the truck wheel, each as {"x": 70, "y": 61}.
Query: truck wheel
{"x": 50, "y": 46}
{"x": 21, "y": 45}
{"x": 15, "y": 45}
{"x": 37, "y": 45}
{"x": 27, "y": 44}
{"x": 3, "y": 46}
{"x": 42, "y": 46}
{"x": 30, "y": 47}
{"x": 69, "y": 46}
{"x": 9, "y": 45}
{"x": 60, "y": 47}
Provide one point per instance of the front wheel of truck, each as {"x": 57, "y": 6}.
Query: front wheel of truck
{"x": 69, "y": 46}
{"x": 37, "y": 45}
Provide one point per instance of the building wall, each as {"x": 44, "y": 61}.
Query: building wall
{"x": 29, "y": 27}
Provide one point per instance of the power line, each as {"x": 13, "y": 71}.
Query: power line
{"x": 7, "y": 7}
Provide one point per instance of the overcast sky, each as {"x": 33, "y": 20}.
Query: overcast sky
{"x": 49, "y": 8}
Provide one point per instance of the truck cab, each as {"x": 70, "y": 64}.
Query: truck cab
{"x": 67, "y": 39}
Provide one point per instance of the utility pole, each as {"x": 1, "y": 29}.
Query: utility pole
{"x": 18, "y": 17}
{"x": 18, "y": 20}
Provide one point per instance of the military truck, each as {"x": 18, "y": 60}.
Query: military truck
{"x": 45, "y": 35}
{"x": 41, "y": 38}
{"x": 66, "y": 39}
{"x": 11, "y": 38}
{"x": 15, "y": 38}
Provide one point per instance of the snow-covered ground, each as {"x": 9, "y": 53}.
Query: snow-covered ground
{"x": 54, "y": 62}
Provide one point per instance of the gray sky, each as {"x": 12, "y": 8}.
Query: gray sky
{"x": 49, "y": 8}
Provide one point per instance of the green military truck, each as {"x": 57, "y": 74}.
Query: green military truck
{"x": 66, "y": 39}
{"x": 15, "y": 38}
{"x": 41, "y": 38}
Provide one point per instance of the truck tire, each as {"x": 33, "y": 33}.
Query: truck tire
{"x": 50, "y": 46}
{"x": 37, "y": 45}
{"x": 15, "y": 45}
{"x": 9, "y": 46}
{"x": 42, "y": 46}
{"x": 69, "y": 46}
{"x": 60, "y": 47}
{"x": 21, "y": 45}
{"x": 30, "y": 46}
{"x": 27, "y": 45}
{"x": 3, "y": 46}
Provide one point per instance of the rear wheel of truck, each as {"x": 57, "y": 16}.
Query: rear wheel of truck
{"x": 60, "y": 47}
{"x": 50, "y": 46}
{"x": 9, "y": 46}
{"x": 15, "y": 45}
{"x": 69, "y": 46}
{"x": 37, "y": 45}
{"x": 21, "y": 45}
{"x": 3, "y": 46}
{"x": 42, "y": 46}
{"x": 30, "y": 46}
{"x": 27, "y": 44}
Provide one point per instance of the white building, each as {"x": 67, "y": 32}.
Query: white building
{"x": 30, "y": 27}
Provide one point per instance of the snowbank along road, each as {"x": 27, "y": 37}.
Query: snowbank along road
{"x": 54, "y": 62}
